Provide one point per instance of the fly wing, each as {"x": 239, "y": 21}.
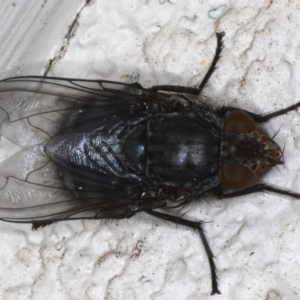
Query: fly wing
{"x": 33, "y": 110}
{"x": 32, "y": 106}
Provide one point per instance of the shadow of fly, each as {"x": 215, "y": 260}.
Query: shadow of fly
{"x": 96, "y": 149}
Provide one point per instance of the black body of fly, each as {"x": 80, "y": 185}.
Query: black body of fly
{"x": 95, "y": 149}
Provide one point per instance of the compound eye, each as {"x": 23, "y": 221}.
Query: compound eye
{"x": 235, "y": 177}
{"x": 237, "y": 122}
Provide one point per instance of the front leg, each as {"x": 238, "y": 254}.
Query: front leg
{"x": 256, "y": 189}
{"x": 260, "y": 118}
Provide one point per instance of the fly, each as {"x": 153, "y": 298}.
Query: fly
{"x": 95, "y": 149}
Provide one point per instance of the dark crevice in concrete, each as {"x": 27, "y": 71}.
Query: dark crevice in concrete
{"x": 66, "y": 41}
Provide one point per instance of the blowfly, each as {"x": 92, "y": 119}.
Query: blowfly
{"x": 95, "y": 149}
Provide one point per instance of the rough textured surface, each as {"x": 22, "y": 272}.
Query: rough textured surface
{"x": 255, "y": 239}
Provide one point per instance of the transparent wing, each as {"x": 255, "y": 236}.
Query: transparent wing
{"x": 33, "y": 110}
{"x": 32, "y": 106}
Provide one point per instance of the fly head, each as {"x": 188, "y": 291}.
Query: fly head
{"x": 247, "y": 151}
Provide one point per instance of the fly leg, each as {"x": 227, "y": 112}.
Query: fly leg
{"x": 195, "y": 90}
{"x": 256, "y": 189}
{"x": 198, "y": 227}
{"x": 260, "y": 118}
{"x": 37, "y": 225}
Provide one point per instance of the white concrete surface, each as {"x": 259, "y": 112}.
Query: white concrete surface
{"x": 255, "y": 239}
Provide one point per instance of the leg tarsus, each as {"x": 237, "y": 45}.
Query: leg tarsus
{"x": 256, "y": 189}
{"x": 213, "y": 65}
{"x": 37, "y": 225}
{"x": 197, "y": 226}
{"x": 279, "y": 112}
